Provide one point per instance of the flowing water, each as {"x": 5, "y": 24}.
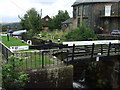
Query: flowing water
{"x": 79, "y": 81}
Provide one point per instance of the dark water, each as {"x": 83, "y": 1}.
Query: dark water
{"x": 79, "y": 80}
{"x": 79, "y": 84}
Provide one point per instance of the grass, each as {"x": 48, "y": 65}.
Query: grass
{"x": 57, "y": 34}
{"x": 33, "y": 60}
{"x": 12, "y": 41}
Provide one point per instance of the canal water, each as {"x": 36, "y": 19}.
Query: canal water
{"x": 79, "y": 77}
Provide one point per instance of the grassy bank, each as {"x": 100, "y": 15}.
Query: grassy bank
{"x": 53, "y": 35}
{"x": 12, "y": 41}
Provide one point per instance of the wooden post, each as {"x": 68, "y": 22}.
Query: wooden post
{"x": 73, "y": 51}
{"x": 92, "y": 53}
{"x": 35, "y": 58}
{"x": 43, "y": 59}
{"x": 6, "y": 54}
{"x": 8, "y": 37}
{"x": 13, "y": 61}
{"x": 67, "y": 56}
{"x": 109, "y": 49}
{"x": 26, "y": 59}
{"x": 115, "y": 50}
{"x": 101, "y": 49}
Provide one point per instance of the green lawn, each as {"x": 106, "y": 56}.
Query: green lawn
{"x": 12, "y": 41}
{"x": 30, "y": 59}
{"x": 33, "y": 59}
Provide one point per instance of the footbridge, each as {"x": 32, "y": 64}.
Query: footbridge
{"x": 82, "y": 51}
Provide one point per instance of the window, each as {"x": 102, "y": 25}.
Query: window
{"x": 79, "y": 11}
{"x": 47, "y": 19}
{"x": 78, "y": 22}
{"x": 74, "y": 13}
{"x": 85, "y": 10}
{"x": 107, "y": 10}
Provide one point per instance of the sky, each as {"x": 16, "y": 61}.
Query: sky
{"x": 10, "y": 9}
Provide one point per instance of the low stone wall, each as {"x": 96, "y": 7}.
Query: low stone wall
{"x": 58, "y": 77}
{"x": 108, "y": 37}
{"x": 100, "y": 74}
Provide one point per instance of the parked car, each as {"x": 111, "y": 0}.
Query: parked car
{"x": 115, "y": 32}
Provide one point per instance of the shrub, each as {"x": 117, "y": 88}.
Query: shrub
{"x": 80, "y": 33}
{"x": 12, "y": 77}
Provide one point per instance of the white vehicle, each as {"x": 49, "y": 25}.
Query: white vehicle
{"x": 115, "y": 32}
{"x": 19, "y": 32}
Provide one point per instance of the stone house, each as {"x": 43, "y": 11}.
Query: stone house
{"x": 103, "y": 16}
{"x": 46, "y": 20}
{"x": 67, "y": 24}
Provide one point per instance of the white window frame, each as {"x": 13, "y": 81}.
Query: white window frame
{"x": 108, "y": 10}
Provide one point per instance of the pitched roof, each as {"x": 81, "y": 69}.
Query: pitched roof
{"x": 68, "y": 21}
{"x": 46, "y": 17}
{"x": 92, "y": 1}
{"x": 46, "y": 22}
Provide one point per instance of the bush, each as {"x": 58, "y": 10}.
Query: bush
{"x": 12, "y": 77}
{"x": 81, "y": 33}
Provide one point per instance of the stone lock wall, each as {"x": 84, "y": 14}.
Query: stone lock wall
{"x": 100, "y": 74}
{"x": 58, "y": 77}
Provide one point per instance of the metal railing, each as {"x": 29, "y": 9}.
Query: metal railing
{"x": 91, "y": 51}
{"x": 38, "y": 59}
{"x": 6, "y": 52}
{"x": 58, "y": 57}
{"x": 62, "y": 56}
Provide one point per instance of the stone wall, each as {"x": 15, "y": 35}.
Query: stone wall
{"x": 96, "y": 18}
{"x": 108, "y": 37}
{"x": 102, "y": 74}
{"x": 58, "y": 77}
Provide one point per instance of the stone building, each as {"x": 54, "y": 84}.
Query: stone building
{"x": 46, "y": 20}
{"x": 67, "y": 24}
{"x": 103, "y": 16}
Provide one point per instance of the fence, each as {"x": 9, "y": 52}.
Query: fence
{"x": 38, "y": 59}
{"x": 90, "y": 51}
{"x": 61, "y": 56}
{"x": 5, "y": 51}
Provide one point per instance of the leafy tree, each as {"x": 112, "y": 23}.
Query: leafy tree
{"x": 57, "y": 20}
{"x": 32, "y": 21}
{"x": 80, "y": 33}
{"x": 11, "y": 77}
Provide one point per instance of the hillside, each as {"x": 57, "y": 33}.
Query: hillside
{"x": 17, "y": 24}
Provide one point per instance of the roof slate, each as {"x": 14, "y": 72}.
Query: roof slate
{"x": 92, "y": 1}
{"x": 68, "y": 21}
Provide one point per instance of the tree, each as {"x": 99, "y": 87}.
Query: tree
{"x": 57, "y": 20}
{"x": 80, "y": 33}
{"x": 32, "y": 21}
{"x": 11, "y": 75}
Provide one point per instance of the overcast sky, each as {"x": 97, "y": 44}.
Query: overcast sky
{"x": 10, "y": 9}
